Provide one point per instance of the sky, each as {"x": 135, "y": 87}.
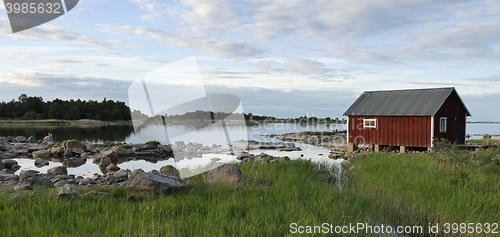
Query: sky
{"x": 284, "y": 58}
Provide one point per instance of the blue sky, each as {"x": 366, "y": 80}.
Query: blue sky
{"x": 283, "y": 58}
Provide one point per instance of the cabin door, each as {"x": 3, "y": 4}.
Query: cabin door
{"x": 459, "y": 138}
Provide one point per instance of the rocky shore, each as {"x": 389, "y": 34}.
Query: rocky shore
{"x": 72, "y": 153}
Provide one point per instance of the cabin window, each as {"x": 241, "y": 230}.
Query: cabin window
{"x": 442, "y": 124}
{"x": 369, "y": 123}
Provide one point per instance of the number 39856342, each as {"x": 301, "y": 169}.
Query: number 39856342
{"x": 33, "y": 8}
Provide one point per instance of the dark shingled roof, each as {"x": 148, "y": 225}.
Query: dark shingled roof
{"x": 417, "y": 102}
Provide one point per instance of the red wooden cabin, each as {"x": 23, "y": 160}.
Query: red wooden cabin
{"x": 406, "y": 118}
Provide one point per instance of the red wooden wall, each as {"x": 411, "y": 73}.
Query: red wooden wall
{"x": 412, "y": 131}
{"x": 452, "y": 109}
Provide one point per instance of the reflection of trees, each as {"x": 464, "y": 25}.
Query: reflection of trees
{"x": 61, "y": 133}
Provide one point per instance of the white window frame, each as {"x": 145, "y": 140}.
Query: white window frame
{"x": 443, "y": 124}
{"x": 370, "y": 120}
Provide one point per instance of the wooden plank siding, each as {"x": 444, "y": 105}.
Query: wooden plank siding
{"x": 411, "y": 131}
{"x": 452, "y": 109}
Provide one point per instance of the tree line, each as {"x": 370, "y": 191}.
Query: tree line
{"x": 34, "y": 107}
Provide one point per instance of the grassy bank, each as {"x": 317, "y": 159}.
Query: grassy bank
{"x": 297, "y": 195}
{"x": 449, "y": 186}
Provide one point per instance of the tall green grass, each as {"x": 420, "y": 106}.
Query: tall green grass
{"x": 298, "y": 195}
{"x": 448, "y": 186}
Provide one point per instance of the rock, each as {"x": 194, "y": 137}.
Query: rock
{"x": 19, "y": 187}
{"x": 20, "y": 139}
{"x": 120, "y": 151}
{"x": 136, "y": 149}
{"x": 111, "y": 154}
{"x": 110, "y": 179}
{"x": 94, "y": 194}
{"x": 4, "y": 140}
{"x": 169, "y": 169}
{"x": 57, "y": 170}
{"x": 26, "y": 174}
{"x": 77, "y": 151}
{"x": 57, "y": 150}
{"x": 2, "y": 166}
{"x": 3, "y": 147}
{"x": 86, "y": 181}
{"x": 60, "y": 183}
{"x": 284, "y": 159}
{"x": 8, "y": 155}
{"x": 41, "y": 154}
{"x": 40, "y": 181}
{"x": 8, "y": 177}
{"x": 137, "y": 171}
{"x": 105, "y": 162}
{"x": 6, "y": 171}
{"x": 47, "y": 139}
{"x": 68, "y": 191}
{"x": 15, "y": 167}
{"x": 121, "y": 174}
{"x": 9, "y": 163}
{"x": 226, "y": 174}
{"x": 72, "y": 144}
{"x": 145, "y": 183}
{"x": 31, "y": 139}
{"x": 74, "y": 162}
{"x": 67, "y": 153}
{"x": 178, "y": 145}
{"x": 112, "y": 168}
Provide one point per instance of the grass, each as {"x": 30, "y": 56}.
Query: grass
{"x": 448, "y": 186}
{"x": 398, "y": 189}
{"x": 297, "y": 196}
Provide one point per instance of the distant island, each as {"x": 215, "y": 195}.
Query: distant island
{"x": 34, "y": 110}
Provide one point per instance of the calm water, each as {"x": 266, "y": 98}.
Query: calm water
{"x": 207, "y": 136}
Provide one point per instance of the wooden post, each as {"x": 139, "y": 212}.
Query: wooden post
{"x": 377, "y": 148}
{"x": 351, "y": 147}
{"x": 402, "y": 149}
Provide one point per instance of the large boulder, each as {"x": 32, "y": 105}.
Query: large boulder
{"x": 120, "y": 151}
{"x": 4, "y": 140}
{"x": 41, "y": 162}
{"x": 112, "y": 168}
{"x": 57, "y": 170}
{"x": 40, "y": 181}
{"x": 109, "y": 153}
{"x": 72, "y": 144}
{"x": 26, "y": 174}
{"x": 31, "y": 139}
{"x": 104, "y": 163}
{"x": 8, "y": 177}
{"x": 144, "y": 184}
{"x": 74, "y": 162}
{"x": 169, "y": 169}
{"x": 20, "y": 139}
{"x": 68, "y": 191}
{"x": 41, "y": 154}
{"x": 57, "y": 150}
{"x": 9, "y": 163}
{"x": 226, "y": 174}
